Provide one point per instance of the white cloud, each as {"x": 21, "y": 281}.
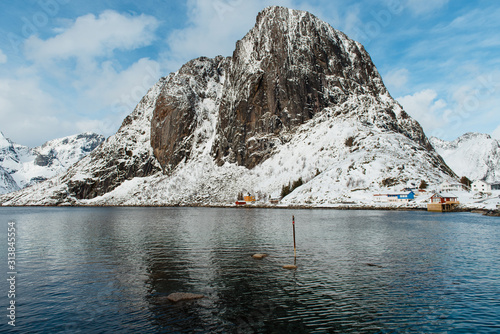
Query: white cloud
{"x": 55, "y": 97}
{"x": 470, "y": 103}
{"x": 352, "y": 21}
{"x": 90, "y": 36}
{"x": 427, "y": 109}
{"x": 3, "y": 57}
{"x": 118, "y": 91}
{"x": 98, "y": 101}
{"x": 105, "y": 126}
{"x": 496, "y": 133}
{"x": 424, "y": 7}
{"x": 396, "y": 80}
{"x": 214, "y": 27}
{"x": 29, "y": 115}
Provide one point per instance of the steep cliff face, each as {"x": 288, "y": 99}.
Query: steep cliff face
{"x": 7, "y": 183}
{"x": 288, "y": 68}
{"x": 186, "y": 99}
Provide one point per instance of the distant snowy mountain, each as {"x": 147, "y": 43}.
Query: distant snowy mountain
{"x": 21, "y": 166}
{"x": 7, "y": 183}
{"x": 297, "y": 100}
{"x": 474, "y": 155}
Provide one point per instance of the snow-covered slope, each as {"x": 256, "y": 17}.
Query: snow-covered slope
{"x": 297, "y": 100}
{"x": 7, "y": 183}
{"x": 26, "y": 166}
{"x": 319, "y": 152}
{"x": 474, "y": 155}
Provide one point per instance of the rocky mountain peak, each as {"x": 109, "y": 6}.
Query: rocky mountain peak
{"x": 3, "y": 140}
{"x": 288, "y": 68}
{"x": 188, "y": 97}
{"x": 474, "y": 135}
{"x": 300, "y": 41}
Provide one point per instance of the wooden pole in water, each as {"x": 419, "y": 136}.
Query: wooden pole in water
{"x": 294, "y": 245}
{"x": 294, "y": 266}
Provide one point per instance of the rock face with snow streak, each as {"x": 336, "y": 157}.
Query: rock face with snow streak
{"x": 287, "y": 69}
{"x": 181, "y": 105}
{"x": 474, "y": 155}
{"x": 296, "y": 100}
{"x": 22, "y": 166}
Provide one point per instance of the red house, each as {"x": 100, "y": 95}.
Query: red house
{"x": 442, "y": 203}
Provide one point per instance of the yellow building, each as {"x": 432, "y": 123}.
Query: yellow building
{"x": 249, "y": 199}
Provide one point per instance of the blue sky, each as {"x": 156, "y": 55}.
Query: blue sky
{"x": 70, "y": 66}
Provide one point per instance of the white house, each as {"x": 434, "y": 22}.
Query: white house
{"x": 481, "y": 186}
{"x": 447, "y": 187}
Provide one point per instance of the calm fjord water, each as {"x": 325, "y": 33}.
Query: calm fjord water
{"x": 101, "y": 270}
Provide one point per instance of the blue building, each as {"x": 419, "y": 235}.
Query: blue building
{"x": 395, "y": 197}
{"x": 409, "y": 196}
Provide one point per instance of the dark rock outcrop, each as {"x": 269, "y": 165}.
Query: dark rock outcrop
{"x": 45, "y": 159}
{"x": 7, "y": 183}
{"x": 178, "y": 108}
{"x": 113, "y": 173}
{"x": 289, "y": 67}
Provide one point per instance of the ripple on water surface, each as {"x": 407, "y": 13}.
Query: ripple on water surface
{"x": 110, "y": 269}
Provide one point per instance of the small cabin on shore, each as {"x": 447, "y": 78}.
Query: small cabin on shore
{"x": 442, "y": 203}
{"x": 249, "y": 198}
{"x": 246, "y": 200}
{"x": 274, "y": 200}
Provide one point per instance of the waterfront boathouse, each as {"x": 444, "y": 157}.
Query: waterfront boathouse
{"x": 442, "y": 203}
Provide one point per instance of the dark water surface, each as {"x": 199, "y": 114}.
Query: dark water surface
{"x": 102, "y": 270}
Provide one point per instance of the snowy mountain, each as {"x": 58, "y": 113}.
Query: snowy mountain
{"x": 297, "y": 100}
{"x": 21, "y": 166}
{"x": 7, "y": 183}
{"x": 474, "y": 155}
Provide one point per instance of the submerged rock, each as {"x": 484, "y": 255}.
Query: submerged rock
{"x": 259, "y": 256}
{"x": 289, "y": 266}
{"x": 181, "y": 296}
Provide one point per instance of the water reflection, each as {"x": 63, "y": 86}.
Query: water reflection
{"x": 110, "y": 269}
